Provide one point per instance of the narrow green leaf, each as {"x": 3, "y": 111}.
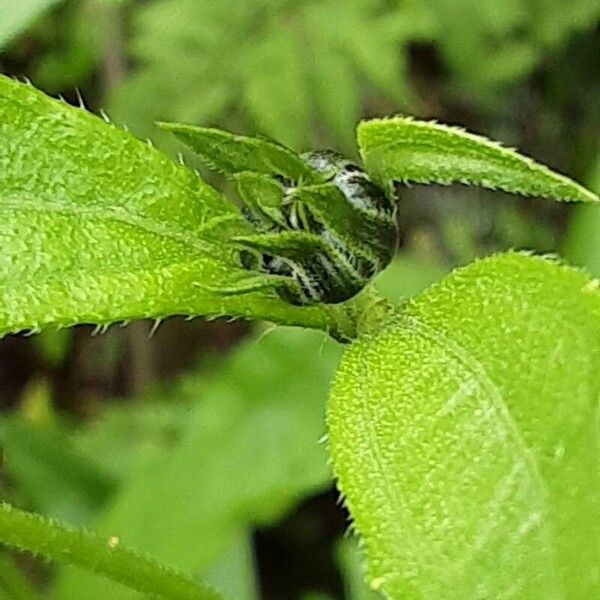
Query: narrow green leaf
{"x": 465, "y": 437}
{"x": 97, "y": 226}
{"x": 229, "y": 153}
{"x": 403, "y": 149}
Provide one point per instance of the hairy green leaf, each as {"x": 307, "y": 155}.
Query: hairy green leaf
{"x": 403, "y": 149}
{"x": 98, "y": 227}
{"x": 229, "y": 153}
{"x": 465, "y": 436}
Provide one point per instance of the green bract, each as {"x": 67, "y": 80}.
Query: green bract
{"x": 466, "y": 440}
{"x": 321, "y": 228}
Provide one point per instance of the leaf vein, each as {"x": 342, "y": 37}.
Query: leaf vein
{"x": 121, "y": 215}
{"x": 478, "y": 372}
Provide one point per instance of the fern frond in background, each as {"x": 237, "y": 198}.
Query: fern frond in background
{"x": 298, "y": 71}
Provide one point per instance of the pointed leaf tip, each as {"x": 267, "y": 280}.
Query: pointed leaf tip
{"x": 230, "y": 153}
{"x": 404, "y": 149}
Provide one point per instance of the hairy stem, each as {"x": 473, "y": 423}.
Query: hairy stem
{"x": 52, "y": 540}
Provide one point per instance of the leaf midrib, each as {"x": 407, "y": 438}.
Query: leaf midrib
{"x": 120, "y": 214}
{"x": 473, "y": 366}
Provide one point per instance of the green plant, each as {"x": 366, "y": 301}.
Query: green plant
{"x": 290, "y": 70}
{"x": 462, "y": 425}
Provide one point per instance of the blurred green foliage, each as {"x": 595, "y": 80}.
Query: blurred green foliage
{"x": 190, "y": 469}
{"x": 248, "y": 451}
{"x": 17, "y": 16}
{"x": 296, "y": 71}
{"x": 300, "y": 71}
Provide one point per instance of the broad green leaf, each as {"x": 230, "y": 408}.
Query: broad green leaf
{"x": 230, "y": 154}
{"x": 465, "y": 438}
{"x": 249, "y": 453}
{"x": 133, "y": 441}
{"x": 403, "y": 149}
{"x": 15, "y": 16}
{"x": 98, "y": 227}
{"x": 255, "y": 63}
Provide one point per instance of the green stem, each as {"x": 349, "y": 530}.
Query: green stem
{"x": 47, "y": 538}
{"x": 362, "y": 315}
